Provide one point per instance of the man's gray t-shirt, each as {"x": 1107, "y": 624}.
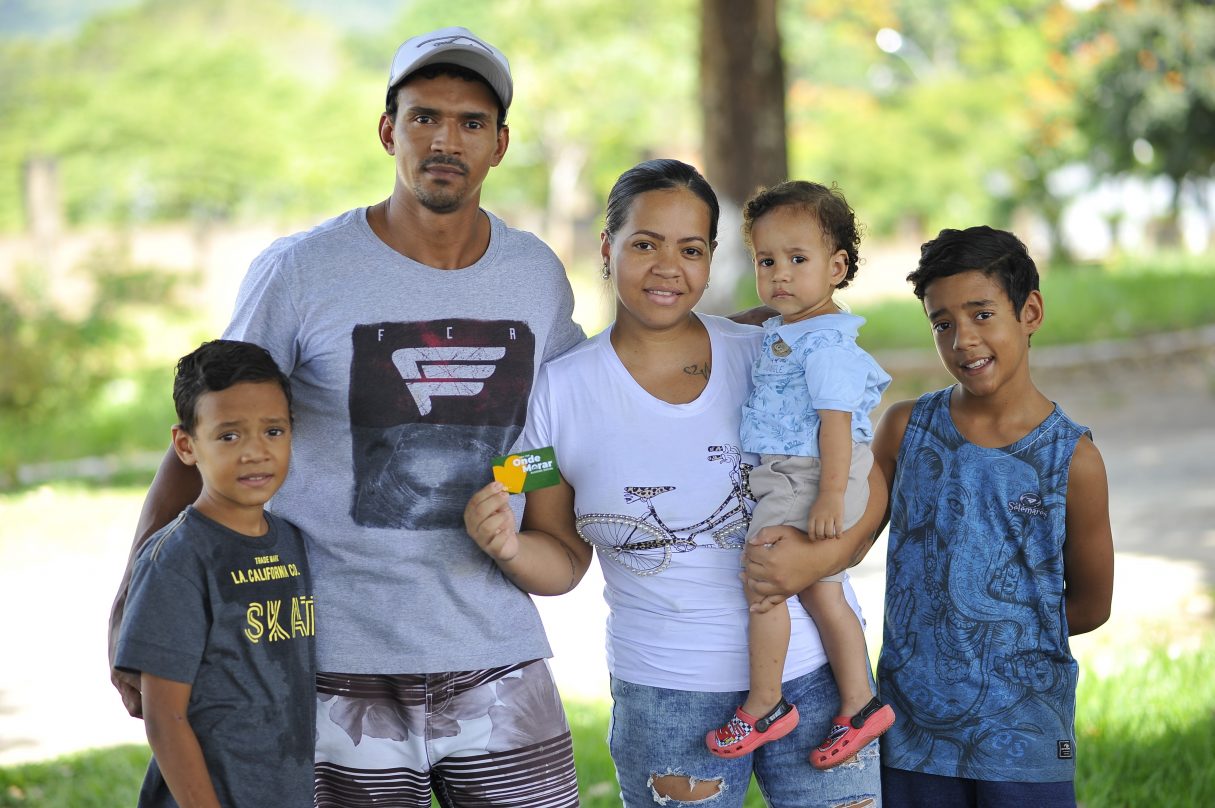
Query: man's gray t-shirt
{"x": 407, "y": 380}
{"x": 233, "y": 616}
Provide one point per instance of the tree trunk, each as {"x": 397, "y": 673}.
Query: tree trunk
{"x": 1168, "y": 231}
{"x": 43, "y": 209}
{"x": 566, "y": 161}
{"x": 742, "y": 100}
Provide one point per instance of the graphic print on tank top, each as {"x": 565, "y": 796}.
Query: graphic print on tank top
{"x": 431, "y": 403}
{"x": 975, "y": 656}
{"x": 644, "y": 544}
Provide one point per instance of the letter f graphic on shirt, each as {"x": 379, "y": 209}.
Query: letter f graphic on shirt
{"x": 431, "y": 403}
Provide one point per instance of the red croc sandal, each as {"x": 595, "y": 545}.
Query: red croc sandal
{"x": 745, "y": 733}
{"x": 850, "y": 735}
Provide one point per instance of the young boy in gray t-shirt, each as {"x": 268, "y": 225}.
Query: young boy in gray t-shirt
{"x": 219, "y": 623}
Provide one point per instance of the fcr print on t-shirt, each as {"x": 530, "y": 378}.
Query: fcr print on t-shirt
{"x": 431, "y": 403}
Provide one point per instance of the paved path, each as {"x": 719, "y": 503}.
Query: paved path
{"x": 1153, "y": 423}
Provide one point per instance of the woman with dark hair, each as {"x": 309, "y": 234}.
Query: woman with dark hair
{"x": 644, "y": 418}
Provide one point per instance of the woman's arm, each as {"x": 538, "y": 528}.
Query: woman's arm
{"x": 781, "y": 561}
{"x": 547, "y": 556}
{"x": 777, "y": 569}
{"x": 754, "y": 316}
{"x": 175, "y": 486}
{"x": 1088, "y": 551}
{"x": 174, "y": 743}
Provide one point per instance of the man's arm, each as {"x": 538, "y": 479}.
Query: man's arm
{"x": 175, "y": 486}
{"x": 174, "y": 743}
{"x": 547, "y": 556}
{"x": 1088, "y": 551}
{"x": 781, "y": 561}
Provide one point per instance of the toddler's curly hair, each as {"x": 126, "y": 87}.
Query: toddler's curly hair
{"x": 826, "y": 205}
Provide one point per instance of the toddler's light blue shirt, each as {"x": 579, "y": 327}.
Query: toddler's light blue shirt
{"x": 824, "y": 370}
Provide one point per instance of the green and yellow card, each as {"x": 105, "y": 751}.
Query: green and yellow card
{"x": 527, "y": 471}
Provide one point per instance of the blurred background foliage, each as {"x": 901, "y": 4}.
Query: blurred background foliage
{"x": 213, "y": 115}
{"x": 930, "y": 113}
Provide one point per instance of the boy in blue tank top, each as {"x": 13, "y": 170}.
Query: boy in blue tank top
{"x": 1000, "y": 548}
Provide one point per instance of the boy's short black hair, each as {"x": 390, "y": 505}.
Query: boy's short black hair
{"x": 827, "y": 206}
{"x": 218, "y": 365}
{"x": 996, "y": 253}
{"x": 433, "y": 72}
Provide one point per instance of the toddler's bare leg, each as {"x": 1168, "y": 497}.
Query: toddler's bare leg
{"x": 768, "y": 644}
{"x": 843, "y": 640}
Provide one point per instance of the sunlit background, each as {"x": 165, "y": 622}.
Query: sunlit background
{"x": 149, "y": 150}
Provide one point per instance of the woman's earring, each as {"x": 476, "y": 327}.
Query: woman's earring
{"x": 606, "y": 273}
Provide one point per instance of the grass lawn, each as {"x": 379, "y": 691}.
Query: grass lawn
{"x": 1082, "y": 305}
{"x": 1145, "y": 736}
{"x": 103, "y": 778}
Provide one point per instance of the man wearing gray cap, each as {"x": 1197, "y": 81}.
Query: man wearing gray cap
{"x": 412, "y": 331}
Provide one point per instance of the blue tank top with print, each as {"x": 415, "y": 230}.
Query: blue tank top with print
{"x": 975, "y": 658}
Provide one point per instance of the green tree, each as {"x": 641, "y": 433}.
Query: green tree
{"x": 148, "y": 118}
{"x": 59, "y": 354}
{"x": 1148, "y": 101}
{"x": 929, "y": 115}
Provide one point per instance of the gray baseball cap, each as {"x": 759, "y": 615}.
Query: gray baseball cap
{"x": 457, "y": 46}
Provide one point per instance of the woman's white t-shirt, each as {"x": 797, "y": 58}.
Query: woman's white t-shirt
{"x": 660, "y": 490}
